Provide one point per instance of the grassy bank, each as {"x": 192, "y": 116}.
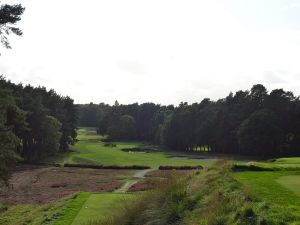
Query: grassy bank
{"x": 212, "y": 197}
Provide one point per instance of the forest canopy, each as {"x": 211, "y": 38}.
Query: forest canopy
{"x": 252, "y": 122}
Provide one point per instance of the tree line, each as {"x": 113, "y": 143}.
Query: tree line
{"x": 34, "y": 123}
{"x": 252, "y": 122}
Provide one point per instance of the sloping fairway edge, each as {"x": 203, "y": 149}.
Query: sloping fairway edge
{"x": 291, "y": 182}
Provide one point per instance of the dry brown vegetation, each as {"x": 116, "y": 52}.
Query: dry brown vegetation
{"x": 36, "y": 184}
{"x": 169, "y": 173}
{"x": 153, "y": 179}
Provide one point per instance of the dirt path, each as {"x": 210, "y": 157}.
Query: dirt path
{"x": 137, "y": 177}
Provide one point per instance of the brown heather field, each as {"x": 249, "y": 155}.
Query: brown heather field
{"x": 36, "y": 184}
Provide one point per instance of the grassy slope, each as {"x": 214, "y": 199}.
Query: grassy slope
{"x": 279, "y": 188}
{"x": 213, "y": 197}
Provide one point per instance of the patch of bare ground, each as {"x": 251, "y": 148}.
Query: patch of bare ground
{"x": 36, "y": 184}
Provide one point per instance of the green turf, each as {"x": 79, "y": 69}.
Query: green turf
{"x": 291, "y": 160}
{"x": 99, "y": 206}
{"x": 68, "y": 213}
{"x": 90, "y": 150}
{"x": 97, "y": 153}
{"x": 85, "y": 137}
{"x": 83, "y": 134}
{"x": 291, "y": 182}
{"x": 264, "y": 185}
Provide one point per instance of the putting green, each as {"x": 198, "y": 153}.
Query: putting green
{"x": 291, "y": 182}
{"x": 99, "y": 206}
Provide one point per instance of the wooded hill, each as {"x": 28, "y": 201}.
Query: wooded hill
{"x": 253, "y": 122}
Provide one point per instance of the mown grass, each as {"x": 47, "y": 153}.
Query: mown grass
{"x": 68, "y": 213}
{"x": 211, "y": 197}
{"x": 291, "y": 182}
{"x": 90, "y": 150}
{"x": 97, "y": 153}
{"x": 267, "y": 186}
{"x": 99, "y": 206}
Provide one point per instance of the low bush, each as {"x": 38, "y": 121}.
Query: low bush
{"x": 107, "y": 139}
{"x": 133, "y": 149}
{"x": 145, "y": 149}
{"x": 108, "y": 144}
{"x": 240, "y": 168}
{"x": 40, "y": 164}
{"x": 181, "y": 167}
{"x": 134, "y": 167}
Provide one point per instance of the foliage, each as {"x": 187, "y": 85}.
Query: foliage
{"x": 12, "y": 121}
{"x": 9, "y": 16}
{"x": 124, "y": 129}
{"x": 260, "y": 134}
{"x": 34, "y": 123}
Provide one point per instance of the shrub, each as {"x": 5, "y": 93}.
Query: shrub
{"x": 181, "y": 167}
{"x": 134, "y": 167}
{"x": 250, "y": 168}
{"x": 3, "y": 208}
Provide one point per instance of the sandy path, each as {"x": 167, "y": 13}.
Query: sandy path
{"x": 137, "y": 176}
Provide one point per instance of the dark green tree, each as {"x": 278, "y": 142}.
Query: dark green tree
{"x": 260, "y": 134}
{"x": 12, "y": 122}
{"x": 50, "y": 137}
{"x": 125, "y": 129}
{"x": 9, "y": 16}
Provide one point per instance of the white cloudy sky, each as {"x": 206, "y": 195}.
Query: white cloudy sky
{"x": 164, "y": 51}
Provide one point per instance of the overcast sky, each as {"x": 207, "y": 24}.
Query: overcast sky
{"x": 163, "y": 51}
